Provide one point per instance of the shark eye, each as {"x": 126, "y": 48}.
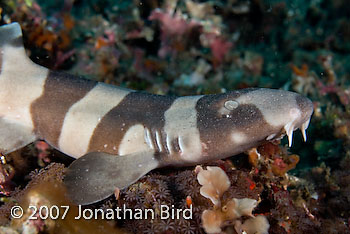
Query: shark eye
{"x": 231, "y": 105}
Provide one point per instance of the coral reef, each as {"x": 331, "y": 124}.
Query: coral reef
{"x": 182, "y": 47}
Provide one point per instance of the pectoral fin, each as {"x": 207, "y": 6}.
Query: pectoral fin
{"x": 95, "y": 176}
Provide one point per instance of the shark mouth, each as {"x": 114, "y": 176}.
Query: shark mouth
{"x": 290, "y": 127}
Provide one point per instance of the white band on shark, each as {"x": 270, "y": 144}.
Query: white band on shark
{"x": 85, "y": 115}
{"x": 186, "y": 132}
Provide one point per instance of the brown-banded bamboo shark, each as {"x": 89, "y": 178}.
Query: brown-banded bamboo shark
{"x": 118, "y": 135}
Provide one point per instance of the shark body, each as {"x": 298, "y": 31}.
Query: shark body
{"x": 118, "y": 135}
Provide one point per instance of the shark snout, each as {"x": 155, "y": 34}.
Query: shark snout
{"x": 300, "y": 117}
{"x": 306, "y": 107}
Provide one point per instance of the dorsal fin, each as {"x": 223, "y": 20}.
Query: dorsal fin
{"x": 11, "y": 34}
{"x": 21, "y": 82}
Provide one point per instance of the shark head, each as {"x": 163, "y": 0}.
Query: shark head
{"x": 233, "y": 122}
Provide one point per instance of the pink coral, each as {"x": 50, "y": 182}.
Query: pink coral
{"x": 218, "y": 45}
{"x": 214, "y": 183}
{"x": 173, "y": 27}
{"x": 44, "y": 152}
{"x": 242, "y": 207}
{"x": 171, "y": 24}
{"x": 213, "y": 220}
{"x": 257, "y": 225}
{"x": 219, "y": 48}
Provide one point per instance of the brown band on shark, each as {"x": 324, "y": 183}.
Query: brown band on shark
{"x": 239, "y": 123}
{"x": 110, "y": 132}
{"x": 47, "y": 115}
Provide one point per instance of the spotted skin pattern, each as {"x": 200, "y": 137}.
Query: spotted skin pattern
{"x": 118, "y": 135}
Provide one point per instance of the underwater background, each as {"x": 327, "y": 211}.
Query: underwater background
{"x": 179, "y": 47}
